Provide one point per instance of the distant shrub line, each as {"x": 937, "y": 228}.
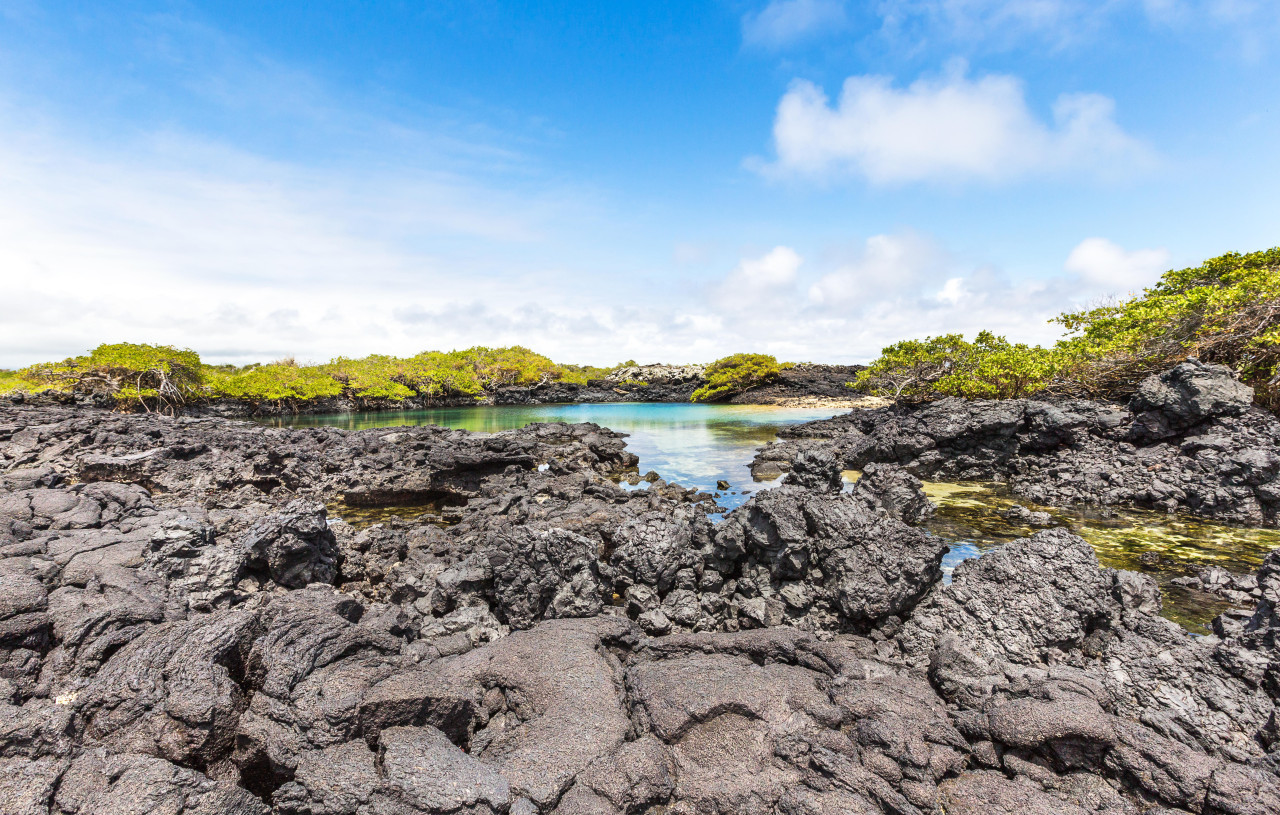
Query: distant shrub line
{"x": 160, "y": 377}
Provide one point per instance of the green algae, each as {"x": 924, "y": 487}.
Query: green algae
{"x": 437, "y": 513}
{"x": 970, "y": 514}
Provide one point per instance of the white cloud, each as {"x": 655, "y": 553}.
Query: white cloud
{"x": 784, "y": 22}
{"x": 887, "y": 267}
{"x": 950, "y": 128}
{"x": 1104, "y": 265}
{"x": 756, "y": 283}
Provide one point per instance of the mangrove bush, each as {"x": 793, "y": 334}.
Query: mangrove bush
{"x": 1226, "y": 310}
{"x": 734, "y": 374}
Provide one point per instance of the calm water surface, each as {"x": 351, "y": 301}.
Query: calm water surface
{"x": 698, "y": 445}
{"x": 687, "y": 444}
{"x": 1164, "y": 546}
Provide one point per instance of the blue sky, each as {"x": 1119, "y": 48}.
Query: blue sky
{"x": 603, "y": 181}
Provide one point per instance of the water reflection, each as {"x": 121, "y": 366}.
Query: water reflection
{"x": 691, "y": 445}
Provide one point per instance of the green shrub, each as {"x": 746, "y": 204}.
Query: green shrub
{"x": 273, "y": 383}
{"x": 732, "y": 375}
{"x": 1226, "y": 310}
{"x": 10, "y": 381}
{"x": 151, "y": 376}
{"x": 582, "y": 374}
{"x": 505, "y": 367}
{"x": 990, "y": 367}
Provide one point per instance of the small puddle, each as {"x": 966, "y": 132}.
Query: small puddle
{"x": 439, "y": 513}
{"x": 969, "y": 517}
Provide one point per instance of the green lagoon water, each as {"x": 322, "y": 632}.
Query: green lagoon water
{"x": 698, "y": 445}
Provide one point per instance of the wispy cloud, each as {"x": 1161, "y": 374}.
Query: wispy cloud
{"x": 785, "y": 22}
{"x": 1067, "y": 23}
{"x": 950, "y": 128}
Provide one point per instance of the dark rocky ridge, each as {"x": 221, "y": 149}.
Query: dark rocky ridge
{"x": 1189, "y": 440}
{"x": 183, "y": 630}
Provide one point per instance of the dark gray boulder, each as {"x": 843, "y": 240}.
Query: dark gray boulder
{"x": 295, "y": 546}
{"x": 99, "y": 781}
{"x": 1186, "y": 395}
{"x": 891, "y": 489}
{"x": 1022, "y": 603}
{"x": 872, "y": 565}
{"x": 544, "y": 575}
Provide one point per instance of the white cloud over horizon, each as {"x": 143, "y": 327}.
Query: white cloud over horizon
{"x": 1105, "y": 265}
{"x": 950, "y": 129}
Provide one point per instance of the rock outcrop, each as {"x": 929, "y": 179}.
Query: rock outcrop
{"x": 1189, "y": 440}
{"x": 186, "y": 627}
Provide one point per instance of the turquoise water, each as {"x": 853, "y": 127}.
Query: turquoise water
{"x": 686, "y": 444}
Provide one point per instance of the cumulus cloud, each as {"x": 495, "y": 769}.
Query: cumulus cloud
{"x": 887, "y": 266}
{"x": 784, "y": 22}
{"x": 1104, "y": 265}
{"x": 950, "y": 128}
{"x": 756, "y": 283}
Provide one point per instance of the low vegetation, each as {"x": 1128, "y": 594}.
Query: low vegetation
{"x": 1227, "y": 311}
{"x": 732, "y": 375}
{"x": 156, "y": 377}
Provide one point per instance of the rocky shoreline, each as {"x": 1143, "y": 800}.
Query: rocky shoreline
{"x": 186, "y": 628}
{"x": 1189, "y": 441}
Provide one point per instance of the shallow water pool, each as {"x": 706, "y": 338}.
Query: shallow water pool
{"x": 687, "y": 444}
{"x": 1163, "y": 546}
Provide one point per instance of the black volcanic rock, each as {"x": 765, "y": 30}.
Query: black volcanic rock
{"x": 186, "y": 626}
{"x": 1189, "y": 441}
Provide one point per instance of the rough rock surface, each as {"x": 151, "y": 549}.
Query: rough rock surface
{"x": 1187, "y": 441}
{"x": 187, "y": 627}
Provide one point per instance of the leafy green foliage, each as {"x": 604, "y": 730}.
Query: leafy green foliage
{"x": 582, "y": 374}
{"x": 1227, "y": 310}
{"x": 990, "y": 367}
{"x": 273, "y": 383}
{"x": 734, "y": 374}
{"x": 151, "y": 376}
{"x": 10, "y": 381}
